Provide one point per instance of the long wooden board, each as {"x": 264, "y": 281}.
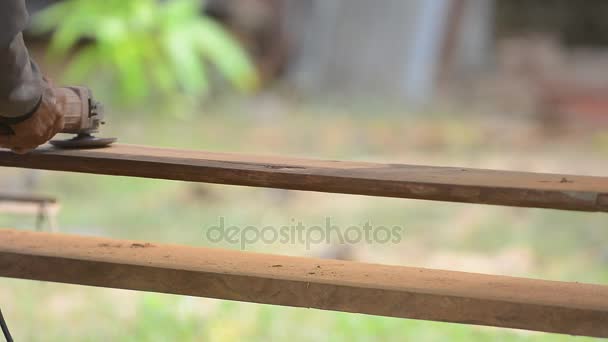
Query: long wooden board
{"x": 571, "y": 308}
{"x": 510, "y": 188}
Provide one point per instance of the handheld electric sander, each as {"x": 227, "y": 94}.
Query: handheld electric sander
{"x": 83, "y": 116}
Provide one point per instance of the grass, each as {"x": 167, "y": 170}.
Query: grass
{"x": 522, "y": 242}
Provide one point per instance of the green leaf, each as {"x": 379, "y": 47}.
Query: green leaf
{"x": 188, "y": 66}
{"x": 225, "y": 53}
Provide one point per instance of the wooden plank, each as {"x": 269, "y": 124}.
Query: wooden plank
{"x": 571, "y": 308}
{"x": 510, "y": 188}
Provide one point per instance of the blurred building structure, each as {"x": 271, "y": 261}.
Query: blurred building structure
{"x": 417, "y": 49}
{"x": 388, "y": 48}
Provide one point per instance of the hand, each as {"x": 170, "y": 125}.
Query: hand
{"x": 38, "y": 129}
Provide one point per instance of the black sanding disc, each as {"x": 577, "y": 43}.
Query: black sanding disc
{"x": 83, "y": 141}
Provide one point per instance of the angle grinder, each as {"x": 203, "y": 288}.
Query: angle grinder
{"x": 83, "y": 116}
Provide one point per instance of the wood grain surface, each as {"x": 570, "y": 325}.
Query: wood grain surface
{"x": 523, "y": 189}
{"x": 570, "y": 308}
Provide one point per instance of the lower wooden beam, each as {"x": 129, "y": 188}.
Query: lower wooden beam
{"x": 454, "y": 184}
{"x": 570, "y": 308}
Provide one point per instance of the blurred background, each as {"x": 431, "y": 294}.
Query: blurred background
{"x": 501, "y": 84}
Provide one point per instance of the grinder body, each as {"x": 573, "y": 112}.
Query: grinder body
{"x": 82, "y": 115}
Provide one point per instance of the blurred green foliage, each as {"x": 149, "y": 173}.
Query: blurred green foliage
{"x": 144, "y": 48}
